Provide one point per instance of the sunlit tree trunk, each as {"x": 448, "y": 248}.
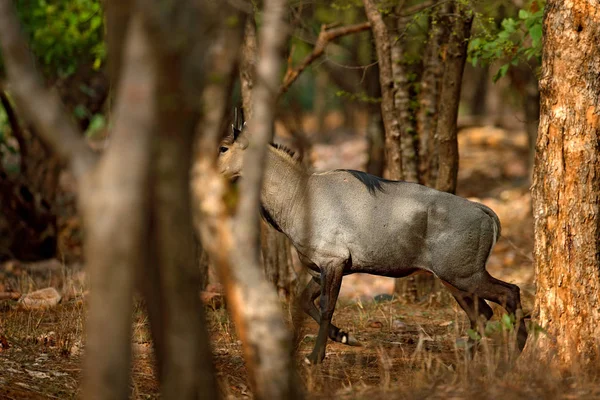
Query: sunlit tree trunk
{"x": 566, "y": 186}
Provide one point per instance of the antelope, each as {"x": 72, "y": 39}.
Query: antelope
{"x": 343, "y": 222}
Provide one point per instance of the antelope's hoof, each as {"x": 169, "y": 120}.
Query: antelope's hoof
{"x": 347, "y": 339}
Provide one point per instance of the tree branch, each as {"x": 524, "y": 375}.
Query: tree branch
{"x": 325, "y": 36}
{"x": 42, "y": 107}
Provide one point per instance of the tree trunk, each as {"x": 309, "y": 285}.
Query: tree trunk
{"x": 275, "y": 246}
{"x": 459, "y": 22}
{"x": 375, "y": 128}
{"x": 402, "y": 100}
{"x": 277, "y": 261}
{"x": 253, "y": 303}
{"x": 381, "y": 36}
{"x": 566, "y": 186}
{"x": 429, "y": 97}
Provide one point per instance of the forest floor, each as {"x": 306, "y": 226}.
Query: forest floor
{"x": 409, "y": 350}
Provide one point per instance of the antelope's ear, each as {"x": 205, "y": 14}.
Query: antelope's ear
{"x": 236, "y": 132}
{"x": 238, "y": 122}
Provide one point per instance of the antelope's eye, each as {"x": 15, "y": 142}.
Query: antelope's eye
{"x": 223, "y": 149}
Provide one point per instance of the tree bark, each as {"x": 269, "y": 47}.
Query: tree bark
{"x": 276, "y": 253}
{"x": 393, "y": 133}
{"x": 459, "y": 22}
{"x": 402, "y": 99}
{"x": 429, "y": 97}
{"x": 566, "y": 186}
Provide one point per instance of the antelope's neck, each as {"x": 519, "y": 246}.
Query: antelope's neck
{"x": 283, "y": 185}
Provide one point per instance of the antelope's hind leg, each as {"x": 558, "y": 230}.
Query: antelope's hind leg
{"x": 475, "y": 308}
{"x": 307, "y": 299}
{"x": 505, "y": 294}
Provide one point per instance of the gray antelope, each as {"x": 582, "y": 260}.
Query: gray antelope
{"x": 343, "y": 221}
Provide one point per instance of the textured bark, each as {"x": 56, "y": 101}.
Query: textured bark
{"x": 277, "y": 261}
{"x": 429, "y": 97}
{"x": 566, "y": 185}
{"x": 459, "y": 22}
{"x": 402, "y": 99}
{"x": 248, "y": 66}
{"x": 386, "y": 80}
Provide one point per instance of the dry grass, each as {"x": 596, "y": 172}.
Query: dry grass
{"x": 408, "y": 352}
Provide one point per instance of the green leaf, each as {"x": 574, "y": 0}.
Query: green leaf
{"x": 473, "y": 334}
{"x": 536, "y": 35}
{"x": 507, "y": 322}
{"x": 501, "y": 72}
{"x": 524, "y": 14}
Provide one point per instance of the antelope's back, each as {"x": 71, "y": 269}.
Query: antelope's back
{"x": 382, "y": 221}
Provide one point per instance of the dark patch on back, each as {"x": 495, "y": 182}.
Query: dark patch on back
{"x": 267, "y": 217}
{"x": 372, "y": 182}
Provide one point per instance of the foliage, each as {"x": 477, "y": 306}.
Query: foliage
{"x": 65, "y": 33}
{"x": 516, "y": 40}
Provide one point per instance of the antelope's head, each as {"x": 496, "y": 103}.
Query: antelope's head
{"x": 232, "y": 148}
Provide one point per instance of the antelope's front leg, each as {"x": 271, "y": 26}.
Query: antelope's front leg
{"x": 331, "y": 281}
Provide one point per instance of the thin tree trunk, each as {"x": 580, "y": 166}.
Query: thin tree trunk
{"x": 268, "y": 345}
{"x": 386, "y": 80}
{"x": 375, "y": 128}
{"x": 248, "y": 66}
{"x": 402, "y": 100}
{"x": 459, "y": 22}
{"x": 275, "y": 246}
{"x": 566, "y": 187}
{"x": 125, "y": 170}
{"x": 252, "y": 301}
{"x": 429, "y": 97}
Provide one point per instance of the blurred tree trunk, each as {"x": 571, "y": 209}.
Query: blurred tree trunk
{"x": 566, "y": 187}
{"x": 137, "y": 193}
{"x": 230, "y": 231}
{"x": 275, "y": 246}
{"x": 524, "y": 80}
